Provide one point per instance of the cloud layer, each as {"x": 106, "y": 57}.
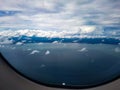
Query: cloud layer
{"x": 82, "y": 16}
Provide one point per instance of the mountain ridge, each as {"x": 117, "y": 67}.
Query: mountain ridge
{"x": 34, "y": 39}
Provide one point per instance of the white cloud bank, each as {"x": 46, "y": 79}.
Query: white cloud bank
{"x": 60, "y": 17}
{"x": 51, "y": 34}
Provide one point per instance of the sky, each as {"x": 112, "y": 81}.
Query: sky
{"x": 85, "y": 17}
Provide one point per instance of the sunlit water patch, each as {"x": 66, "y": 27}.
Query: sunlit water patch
{"x": 66, "y": 64}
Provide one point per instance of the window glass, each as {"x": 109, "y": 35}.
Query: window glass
{"x": 67, "y": 43}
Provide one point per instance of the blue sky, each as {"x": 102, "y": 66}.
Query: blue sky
{"x": 100, "y": 17}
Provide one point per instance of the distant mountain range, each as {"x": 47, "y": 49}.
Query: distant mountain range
{"x": 36, "y": 36}
{"x": 34, "y": 39}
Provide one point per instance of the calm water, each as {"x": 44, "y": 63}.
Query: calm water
{"x": 65, "y": 63}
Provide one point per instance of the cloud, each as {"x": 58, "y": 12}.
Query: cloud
{"x": 83, "y": 50}
{"x": 19, "y": 43}
{"x": 62, "y": 15}
{"x": 84, "y": 32}
{"x": 55, "y": 42}
{"x": 5, "y": 41}
{"x": 47, "y": 52}
{"x": 34, "y": 52}
{"x": 50, "y": 34}
{"x": 87, "y": 29}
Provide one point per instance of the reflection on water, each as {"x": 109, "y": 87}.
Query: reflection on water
{"x": 65, "y": 63}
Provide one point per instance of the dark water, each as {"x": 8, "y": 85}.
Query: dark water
{"x": 70, "y": 64}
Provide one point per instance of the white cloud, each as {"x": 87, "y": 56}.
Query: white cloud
{"x": 19, "y": 43}
{"x": 34, "y": 52}
{"x": 63, "y": 84}
{"x": 64, "y": 15}
{"x": 51, "y": 34}
{"x": 40, "y": 43}
{"x": 87, "y": 29}
{"x": 83, "y": 50}
{"x": 5, "y": 41}
{"x": 47, "y": 52}
{"x": 55, "y": 42}
{"x": 20, "y": 5}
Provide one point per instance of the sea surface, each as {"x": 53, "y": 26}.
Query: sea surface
{"x": 70, "y": 64}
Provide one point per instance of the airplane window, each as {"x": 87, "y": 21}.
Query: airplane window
{"x": 65, "y": 43}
